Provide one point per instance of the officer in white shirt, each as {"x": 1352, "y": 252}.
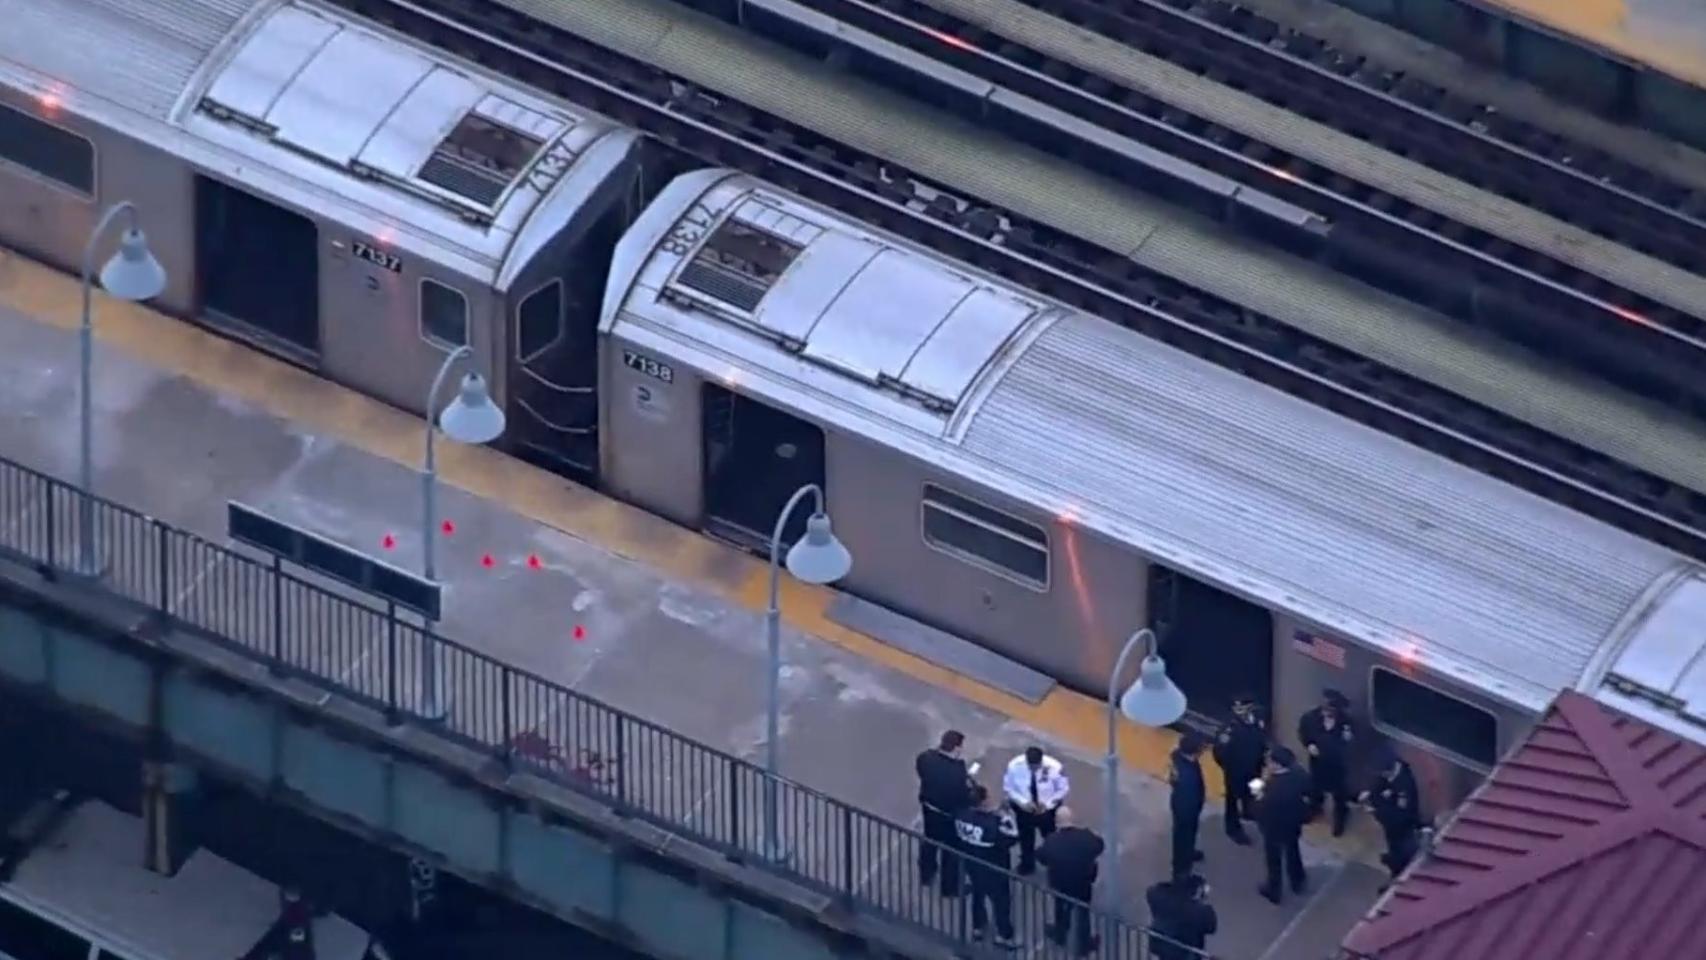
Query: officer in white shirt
{"x": 1036, "y": 786}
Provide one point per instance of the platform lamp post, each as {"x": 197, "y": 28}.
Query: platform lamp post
{"x": 817, "y": 558}
{"x": 131, "y": 274}
{"x": 1152, "y": 701}
{"x": 470, "y": 418}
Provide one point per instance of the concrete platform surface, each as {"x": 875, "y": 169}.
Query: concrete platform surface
{"x": 621, "y": 606}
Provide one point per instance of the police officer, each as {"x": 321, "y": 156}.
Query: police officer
{"x": 1281, "y": 811}
{"x": 944, "y": 789}
{"x": 1240, "y": 749}
{"x": 987, "y": 833}
{"x": 1180, "y": 913}
{"x": 1397, "y": 805}
{"x": 1070, "y": 857}
{"x": 1326, "y": 733}
{"x": 1189, "y": 794}
{"x": 1036, "y": 786}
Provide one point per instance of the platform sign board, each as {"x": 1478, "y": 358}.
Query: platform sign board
{"x": 316, "y": 553}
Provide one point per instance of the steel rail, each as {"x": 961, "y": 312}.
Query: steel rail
{"x": 1467, "y": 272}
{"x": 1574, "y": 181}
{"x": 718, "y": 131}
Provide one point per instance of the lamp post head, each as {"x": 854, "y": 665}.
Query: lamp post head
{"x": 472, "y": 417}
{"x": 132, "y": 273}
{"x": 818, "y": 557}
{"x": 1153, "y": 700}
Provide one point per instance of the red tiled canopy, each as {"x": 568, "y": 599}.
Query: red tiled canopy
{"x": 1587, "y": 843}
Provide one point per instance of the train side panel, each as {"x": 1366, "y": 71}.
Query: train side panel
{"x": 1450, "y": 735}
{"x": 916, "y": 553}
{"x": 652, "y": 423}
{"x": 75, "y": 170}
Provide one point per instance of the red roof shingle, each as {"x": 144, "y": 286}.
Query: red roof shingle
{"x": 1587, "y": 843}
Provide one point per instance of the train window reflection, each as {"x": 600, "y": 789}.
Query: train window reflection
{"x": 25, "y": 936}
{"x": 539, "y": 321}
{"x": 49, "y": 151}
{"x": 444, "y": 314}
{"x": 1436, "y": 718}
{"x": 985, "y": 536}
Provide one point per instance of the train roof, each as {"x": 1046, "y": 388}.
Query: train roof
{"x": 1208, "y": 472}
{"x": 439, "y": 158}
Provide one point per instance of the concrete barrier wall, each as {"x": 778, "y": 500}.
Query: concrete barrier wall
{"x": 552, "y": 849}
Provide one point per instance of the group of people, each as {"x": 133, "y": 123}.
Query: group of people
{"x": 969, "y": 823}
{"x": 1266, "y": 784}
{"x": 974, "y": 827}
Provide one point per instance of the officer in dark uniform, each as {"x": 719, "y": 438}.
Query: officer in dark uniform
{"x": 987, "y": 833}
{"x": 944, "y": 789}
{"x": 1240, "y": 749}
{"x": 1189, "y": 794}
{"x": 1326, "y": 733}
{"x": 1281, "y": 811}
{"x": 1397, "y": 805}
{"x": 1070, "y": 856}
{"x": 1180, "y": 912}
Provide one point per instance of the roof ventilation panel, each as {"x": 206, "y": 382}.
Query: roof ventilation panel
{"x": 481, "y": 157}
{"x": 738, "y": 264}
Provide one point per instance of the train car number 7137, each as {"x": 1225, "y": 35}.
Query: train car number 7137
{"x": 661, "y": 372}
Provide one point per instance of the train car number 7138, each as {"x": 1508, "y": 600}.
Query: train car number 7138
{"x": 661, "y": 372}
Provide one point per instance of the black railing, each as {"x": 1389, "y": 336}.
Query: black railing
{"x": 349, "y": 646}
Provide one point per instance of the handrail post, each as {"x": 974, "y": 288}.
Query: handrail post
{"x": 52, "y": 528}
{"x": 619, "y": 750}
{"x": 391, "y": 713}
{"x": 277, "y": 665}
{"x": 508, "y": 742}
{"x": 165, "y": 553}
{"x": 737, "y": 842}
{"x": 847, "y": 852}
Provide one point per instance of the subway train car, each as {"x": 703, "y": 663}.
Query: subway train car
{"x": 332, "y": 193}
{"x": 1043, "y": 483}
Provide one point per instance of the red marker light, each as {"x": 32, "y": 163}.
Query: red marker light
{"x": 488, "y": 561}
{"x": 448, "y": 527}
{"x": 388, "y": 542}
{"x": 580, "y": 632}
{"x": 533, "y": 561}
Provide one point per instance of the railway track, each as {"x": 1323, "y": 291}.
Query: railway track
{"x": 1617, "y": 333}
{"x": 715, "y": 130}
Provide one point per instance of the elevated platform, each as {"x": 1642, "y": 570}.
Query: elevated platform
{"x": 1642, "y": 62}
{"x": 591, "y": 596}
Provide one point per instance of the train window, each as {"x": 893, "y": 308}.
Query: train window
{"x": 1435, "y": 718}
{"x": 25, "y": 936}
{"x": 444, "y": 314}
{"x": 985, "y": 536}
{"x": 539, "y": 321}
{"x": 53, "y": 152}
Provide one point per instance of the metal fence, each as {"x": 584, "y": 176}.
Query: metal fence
{"x": 351, "y": 646}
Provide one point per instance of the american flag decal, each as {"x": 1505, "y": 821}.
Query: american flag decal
{"x": 1316, "y": 648}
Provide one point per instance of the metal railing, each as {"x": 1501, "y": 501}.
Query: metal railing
{"x": 354, "y": 648}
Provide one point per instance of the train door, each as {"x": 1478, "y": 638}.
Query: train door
{"x": 257, "y": 269}
{"x": 756, "y": 457}
{"x": 1217, "y": 646}
{"x": 555, "y": 386}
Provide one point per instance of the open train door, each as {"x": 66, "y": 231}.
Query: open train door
{"x": 756, "y": 457}
{"x": 257, "y": 270}
{"x": 1217, "y": 646}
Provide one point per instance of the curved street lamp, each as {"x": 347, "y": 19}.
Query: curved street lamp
{"x": 816, "y": 558}
{"x": 470, "y": 418}
{"x": 1154, "y": 701}
{"x": 133, "y": 274}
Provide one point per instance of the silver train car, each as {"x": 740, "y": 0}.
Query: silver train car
{"x": 1034, "y": 480}
{"x": 332, "y": 193}
{"x": 1043, "y": 482}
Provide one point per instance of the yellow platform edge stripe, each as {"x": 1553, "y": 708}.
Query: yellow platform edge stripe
{"x": 226, "y": 367}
